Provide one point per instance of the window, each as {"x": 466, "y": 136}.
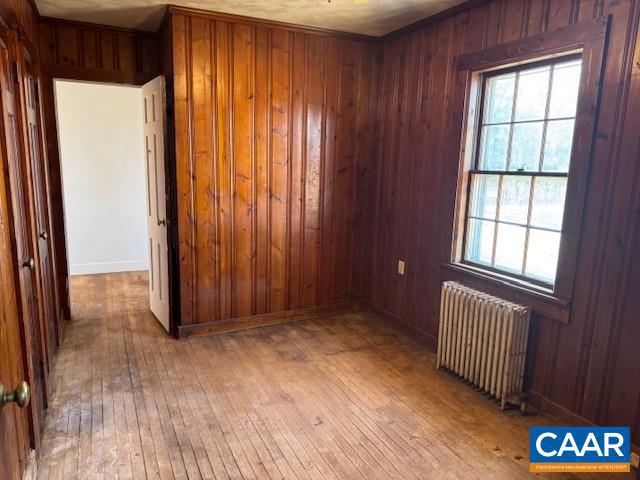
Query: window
{"x": 519, "y": 172}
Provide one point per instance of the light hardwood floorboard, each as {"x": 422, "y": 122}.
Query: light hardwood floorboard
{"x": 344, "y": 397}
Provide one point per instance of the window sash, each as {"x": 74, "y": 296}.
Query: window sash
{"x": 588, "y": 39}
{"x": 496, "y": 221}
{"x": 501, "y": 173}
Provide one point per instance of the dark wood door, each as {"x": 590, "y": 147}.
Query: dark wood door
{"x": 17, "y": 171}
{"x": 32, "y": 139}
{"x": 14, "y": 425}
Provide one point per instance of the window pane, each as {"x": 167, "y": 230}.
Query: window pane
{"x": 479, "y": 241}
{"x": 532, "y": 94}
{"x": 499, "y": 98}
{"x": 493, "y": 147}
{"x": 515, "y": 211}
{"x": 557, "y": 147}
{"x": 510, "y": 248}
{"x": 484, "y": 196}
{"x": 547, "y": 208}
{"x": 514, "y": 199}
{"x": 564, "y": 92}
{"x": 525, "y": 146}
{"x": 542, "y": 255}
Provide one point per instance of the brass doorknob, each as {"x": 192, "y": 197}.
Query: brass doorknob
{"x": 20, "y": 396}
{"x": 44, "y": 235}
{"x": 29, "y": 263}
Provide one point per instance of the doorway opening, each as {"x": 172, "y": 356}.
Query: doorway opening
{"x": 112, "y": 175}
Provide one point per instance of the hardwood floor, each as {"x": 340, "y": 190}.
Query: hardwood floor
{"x": 344, "y": 397}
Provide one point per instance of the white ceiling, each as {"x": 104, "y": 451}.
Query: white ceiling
{"x": 370, "y": 17}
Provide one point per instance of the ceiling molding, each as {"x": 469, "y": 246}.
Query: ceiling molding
{"x": 438, "y": 17}
{"x": 96, "y": 26}
{"x": 232, "y": 18}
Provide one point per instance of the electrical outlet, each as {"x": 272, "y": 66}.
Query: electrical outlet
{"x": 401, "y": 267}
{"x": 635, "y": 460}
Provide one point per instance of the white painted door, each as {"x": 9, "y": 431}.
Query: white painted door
{"x": 153, "y": 104}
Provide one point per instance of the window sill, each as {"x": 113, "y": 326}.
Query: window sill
{"x": 542, "y": 301}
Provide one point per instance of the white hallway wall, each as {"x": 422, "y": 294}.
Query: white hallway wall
{"x": 103, "y": 176}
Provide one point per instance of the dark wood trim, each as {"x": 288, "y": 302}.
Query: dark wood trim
{"x": 542, "y": 403}
{"x": 433, "y": 19}
{"x": 560, "y": 41}
{"x": 165, "y": 37}
{"x": 36, "y": 10}
{"x": 397, "y": 323}
{"x": 584, "y": 137}
{"x": 589, "y": 39}
{"x": 228, "y": 17}
{"x": 267, "y": 319}
{"x": 95, "y": 75}
{"x": 59, "y": 243}
{"x": 544, "y": 304}
{"x": 118, "y": 56}
{"x": 97, "y": 26}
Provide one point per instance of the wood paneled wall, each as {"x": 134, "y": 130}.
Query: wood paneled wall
{"x": 274, "y": 141}
{"x": 589, "y": 366}
{"x": 82, "y": 51}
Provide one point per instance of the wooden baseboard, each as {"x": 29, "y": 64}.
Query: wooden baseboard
{"x": 424, "y": 338}
{"x": 573, "y": 419}
{"x": 429, "y": 341}
{"x": 267, "y": 319}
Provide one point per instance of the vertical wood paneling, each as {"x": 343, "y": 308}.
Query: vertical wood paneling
{"x": 204, "y": 176}
{"x": 536, "y": 17}
{"x": 422, "y": 169}
{"x": 328, "y": 167}
{"x": 96, "y": 50}
{"x": 613, "y": 221}
{"x": 127, "y": 58}
{"x": 593, "y": 312}
{"x": 297, "y": 136}
{"x": 514, "y": 20}
{"x": 314, "y": 152}
{"x": 66, "y": 39}
{"x": 364, "y": 169}
{"x": 560, "y": 13}
{"x": 344, "y": 174}
{"x": 224, "y": 171}
{"x": 573, "y": 365}
{"x": 107, "y": 57}
{"x": 277, "y": 142}
{"x": 262, "y": 143}
{"x": 243, "y": 168}
{"x": 185, "y": 217}
{"x": 90, "y": 49}
{"x": 279, "y": 178}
